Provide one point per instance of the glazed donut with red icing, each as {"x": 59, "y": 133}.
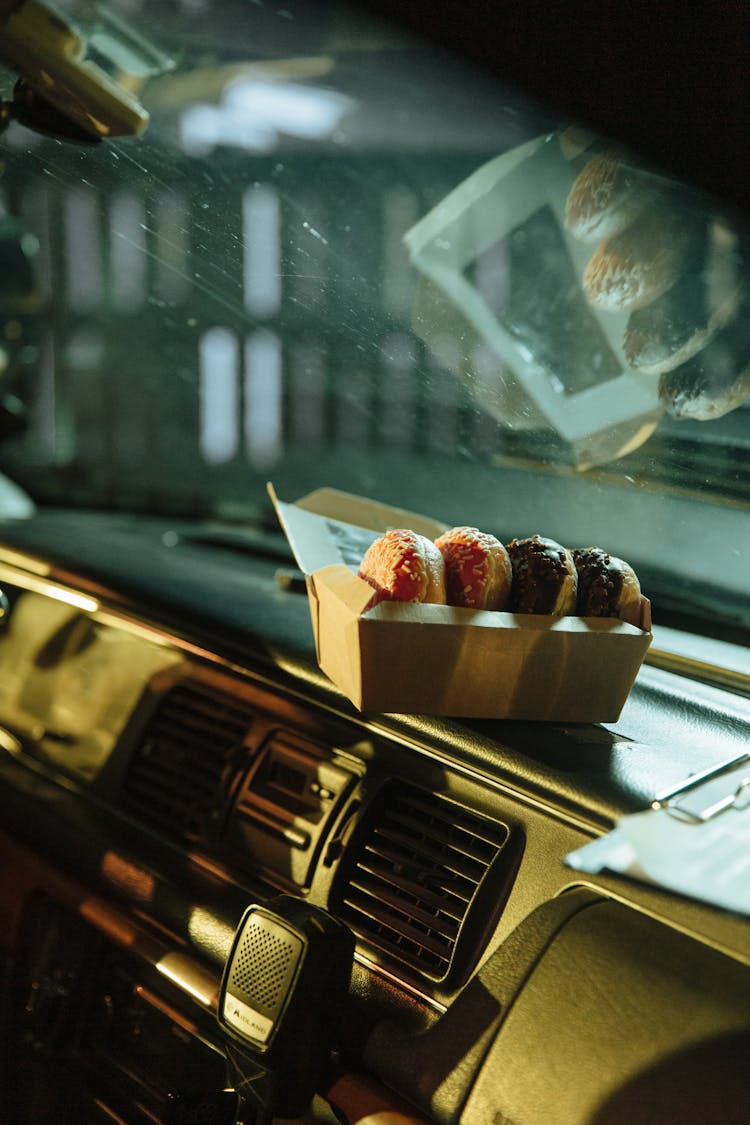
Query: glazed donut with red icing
{"x": 638, "y": 265}
{"x": 607, "y": 196}
{"x": 402, "y": 566}
{"x": 478, "y": 573}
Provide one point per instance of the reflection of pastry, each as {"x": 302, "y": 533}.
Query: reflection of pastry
{"x": 607, "y": 196}
{"x": 544, "y": 577}
{"x": 637, "y": 266}
{"x": 673, "y": 329}
{"x": 717, "y": 380}
{"x": 477, "y": 569}
{"x": 607, "y": 586}
{"x": 404, "y": 567}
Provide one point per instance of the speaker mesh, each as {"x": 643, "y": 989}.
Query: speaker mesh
{"x": 264, "y": 962}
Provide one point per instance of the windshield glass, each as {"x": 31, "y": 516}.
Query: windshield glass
{"x": 339, "y": 256}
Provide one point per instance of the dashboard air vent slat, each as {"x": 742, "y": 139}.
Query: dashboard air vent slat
{"x": 414, "y": 915}
{"x": 463, "y": 869}
{"x": 443, "y": 900}
{"x": 178, "y": 773}
{"x": 412, "y": 877}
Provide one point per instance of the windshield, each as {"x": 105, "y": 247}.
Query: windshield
{"x": 339, "y": 256}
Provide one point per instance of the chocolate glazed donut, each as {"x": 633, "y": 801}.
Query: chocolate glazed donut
{"x": 717, "y": 380}
{"x": 607, "y": 586}
{"x": 544, "y": 577}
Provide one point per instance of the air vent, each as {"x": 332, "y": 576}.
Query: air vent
{"x": 416, "y": 875}
{"x": 178, "y": 774}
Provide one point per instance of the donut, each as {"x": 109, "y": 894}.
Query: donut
{"x": 402, "y": 566}
{"x": 636, "y": 266}
{"x": 607, "y": 586}
{"x": 478, "y": 573}
{"x": 607, "y": 196}
{"x": 680, "y": 323}
{"x": 673, "y": 329}
{"x": 545, "y": 579}
{"x": 717, "y": 380}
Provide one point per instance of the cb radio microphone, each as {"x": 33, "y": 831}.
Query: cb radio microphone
{"x": 282, "y": 996}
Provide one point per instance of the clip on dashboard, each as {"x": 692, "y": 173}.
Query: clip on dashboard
{"x": 698, "y": 800}
{"x": 282, "y": 996}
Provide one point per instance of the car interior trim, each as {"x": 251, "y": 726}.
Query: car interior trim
{"x": 367, "y": 723}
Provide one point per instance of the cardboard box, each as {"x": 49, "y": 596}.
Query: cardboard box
{"x": 439, "y": 660}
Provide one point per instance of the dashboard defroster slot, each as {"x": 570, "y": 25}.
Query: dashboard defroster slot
{"x": 287, "y": 805}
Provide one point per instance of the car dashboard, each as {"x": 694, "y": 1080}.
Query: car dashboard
{"x": 339, "y": 256}
{"x": 171, "y": 754}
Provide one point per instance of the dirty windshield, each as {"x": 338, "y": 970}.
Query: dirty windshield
{"x": 320, "y": 252}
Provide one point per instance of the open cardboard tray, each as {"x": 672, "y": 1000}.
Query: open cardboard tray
{"x": 440, "y": 660}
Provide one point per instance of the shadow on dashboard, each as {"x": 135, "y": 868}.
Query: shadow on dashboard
{"x": 708, "y": 1081}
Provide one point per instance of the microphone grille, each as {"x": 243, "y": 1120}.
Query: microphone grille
{"x": 264, "y": 963}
